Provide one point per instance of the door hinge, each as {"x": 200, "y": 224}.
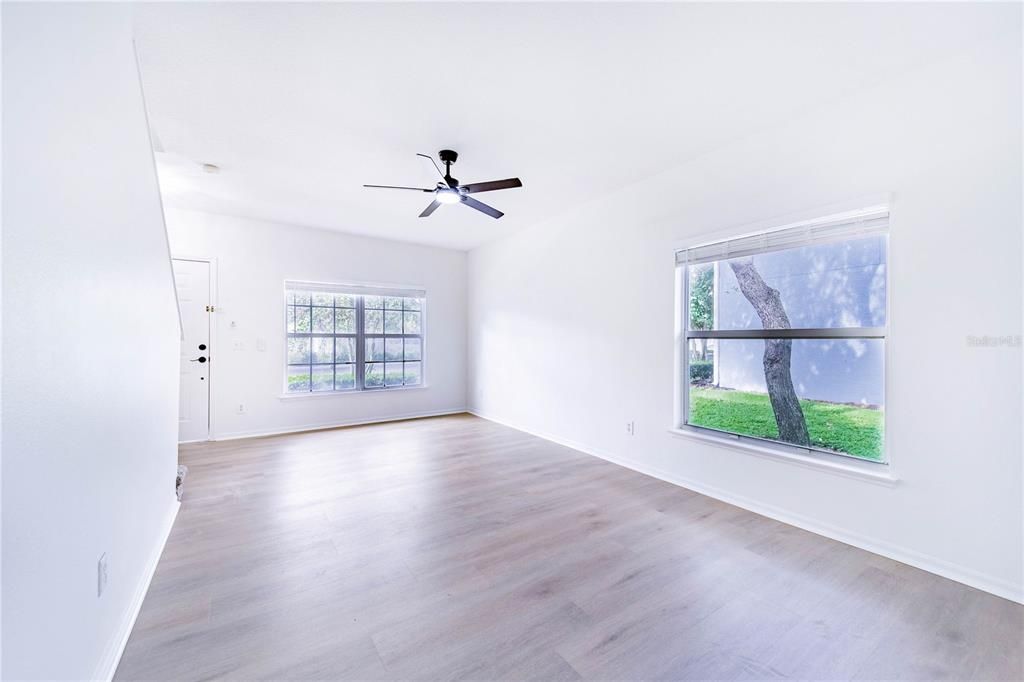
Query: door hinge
{"x": 209, "y": 309}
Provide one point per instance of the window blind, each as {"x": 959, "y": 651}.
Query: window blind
{"x": 832, "y": 228}
{"x": 355, "y": 289}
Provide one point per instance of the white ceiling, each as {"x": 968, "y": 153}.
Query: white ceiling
{"x": 300, "y": 104}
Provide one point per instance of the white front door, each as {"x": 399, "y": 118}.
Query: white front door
{"x": 192, "y": 279}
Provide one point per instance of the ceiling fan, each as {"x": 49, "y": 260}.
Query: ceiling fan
{"x": 451, "y": 192}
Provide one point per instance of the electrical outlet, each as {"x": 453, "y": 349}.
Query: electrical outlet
{"x": 261, "y": 344}
{"x": 239, "y": 345}
{"x": 101, "y": 575}
{"x": 241, "y": 408}
{"x": 631, "y": 428}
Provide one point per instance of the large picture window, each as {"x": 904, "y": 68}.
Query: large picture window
{"x": 783, "y": 335}
{"x": 350, "y": 338}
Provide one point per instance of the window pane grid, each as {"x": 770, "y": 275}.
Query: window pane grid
{"x": 344, "y": 342}
{"x": 388, "y": 320}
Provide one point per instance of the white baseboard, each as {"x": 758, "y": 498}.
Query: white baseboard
{"x": 112, "y": 657}
{"x": 961, "y": 574}
{"x": 235, "y": 435}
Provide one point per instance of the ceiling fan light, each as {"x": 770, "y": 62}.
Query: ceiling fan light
{"x": 448, "y": 196}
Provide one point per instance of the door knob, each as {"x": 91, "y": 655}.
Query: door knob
{"x": 201, "y": 358}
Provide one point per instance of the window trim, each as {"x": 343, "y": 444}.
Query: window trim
{"x": 850, "y": 467}
{"x": 359, "y": 291}
{"x": 309, "y": 395}
{"x": 879, "y": 471}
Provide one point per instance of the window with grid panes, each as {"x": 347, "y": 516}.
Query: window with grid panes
{"x": 342, "y": 338}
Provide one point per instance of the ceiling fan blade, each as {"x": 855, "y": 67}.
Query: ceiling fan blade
{"x": 418, "y": 189}
{"x": 430, "y": 209}
{"x": 436, "y": 167}
{"x": 482, "y": 207}
{"x": 492, "y": 185}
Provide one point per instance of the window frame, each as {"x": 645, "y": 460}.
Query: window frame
{"x": 359, "y": 292}
{"x": 877, "y": 470}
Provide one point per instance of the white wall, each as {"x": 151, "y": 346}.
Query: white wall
{"x": 1, "y": 362}
{"x": 571, "y": 322}
{"x": 254, "y": 258}
{"x": 90, "y": 339}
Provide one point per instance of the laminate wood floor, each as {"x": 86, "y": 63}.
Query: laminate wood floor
{"x": 457, "y": 548}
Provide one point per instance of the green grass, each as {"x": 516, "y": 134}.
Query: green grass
{"x": 845, "y": 428}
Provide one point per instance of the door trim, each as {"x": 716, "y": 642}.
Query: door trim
{"x": 214, "y": 346}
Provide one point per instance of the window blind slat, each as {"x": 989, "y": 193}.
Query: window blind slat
{"x": 820, "y": 231}
{"x": 355, "y": 289}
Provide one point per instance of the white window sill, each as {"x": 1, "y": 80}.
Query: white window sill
{"x": 335, "y": 394}
{"x": 872, "y": 472}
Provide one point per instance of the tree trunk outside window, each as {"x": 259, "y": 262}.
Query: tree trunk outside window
{"x": 766, "y": 301}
